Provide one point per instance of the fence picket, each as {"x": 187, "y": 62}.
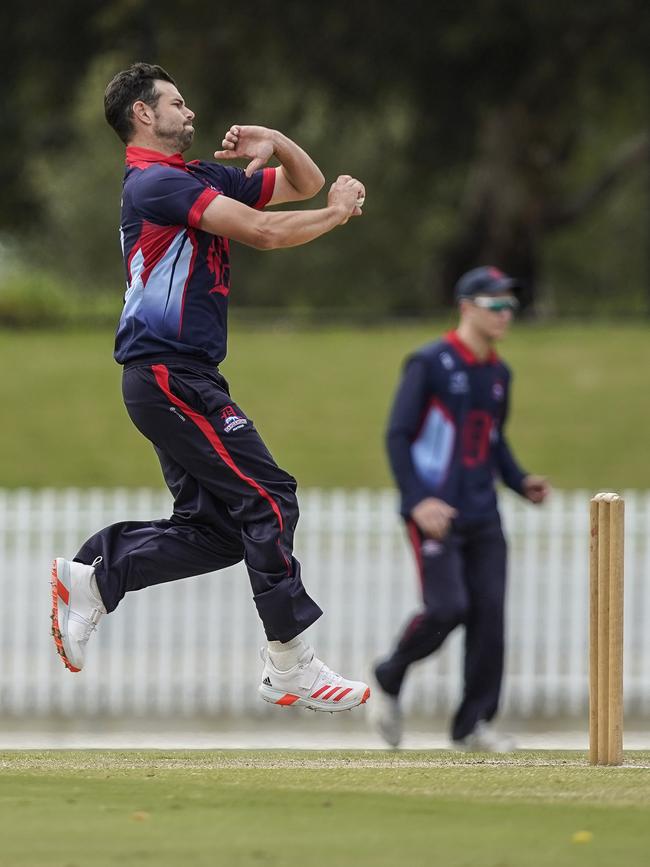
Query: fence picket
{"x": 190, "y": 647}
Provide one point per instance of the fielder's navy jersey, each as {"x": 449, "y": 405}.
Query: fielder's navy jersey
{"x": 177, "y": 276}
{"x": 446, "y": 431}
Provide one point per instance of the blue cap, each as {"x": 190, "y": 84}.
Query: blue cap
{"x": 485, "y": 280}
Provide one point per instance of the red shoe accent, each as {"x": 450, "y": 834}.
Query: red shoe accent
{"x": 366, "y": 696}
{"x": 321, "y": 690}
{"x": 62, "y": 591}
{"x": 287, "y": 699}
{"x": 59, "y": 589}
{"x": 344, "y": 693}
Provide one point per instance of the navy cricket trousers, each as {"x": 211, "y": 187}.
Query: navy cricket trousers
{"x": 463, "y": 582}
{"x": 231, "y": 500}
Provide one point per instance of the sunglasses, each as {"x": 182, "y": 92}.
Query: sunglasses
{"x": 495, "y": 305}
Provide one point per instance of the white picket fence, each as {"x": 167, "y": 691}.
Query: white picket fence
{"x": 190, "y": 647}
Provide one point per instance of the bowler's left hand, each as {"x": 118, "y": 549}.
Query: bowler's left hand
{"x": 536, "y": 488}
{"x": 255, "y": 143}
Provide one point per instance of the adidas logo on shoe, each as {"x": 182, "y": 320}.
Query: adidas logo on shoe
{"x": 267, "y": 681}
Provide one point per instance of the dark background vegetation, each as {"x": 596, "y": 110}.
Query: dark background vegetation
{"x": 513, "y": 132}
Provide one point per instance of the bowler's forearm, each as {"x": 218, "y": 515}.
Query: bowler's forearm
{"x": 270, "y": 230}
{"x": 279, "y": 229}
{"x": 298, "y": 167}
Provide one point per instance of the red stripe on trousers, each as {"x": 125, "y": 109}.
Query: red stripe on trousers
{"x": 162, "y": 378}
{"x": 416, "y": 542}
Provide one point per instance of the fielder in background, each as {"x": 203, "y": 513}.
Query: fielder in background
{"x": 446, "y": 445}
{"x": 231, "y": 500}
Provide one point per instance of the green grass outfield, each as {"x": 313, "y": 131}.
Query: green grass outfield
{"x": 320, "y": 398}
{"x": 368, "y": 809}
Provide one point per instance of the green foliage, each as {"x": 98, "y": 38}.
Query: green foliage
{"x": 407, "y": 105}
{"x": 367, "y": 265}
{"x": 33, "y": 298}
{"x": 81, "y": 196}
{"x": 600, "y": 266}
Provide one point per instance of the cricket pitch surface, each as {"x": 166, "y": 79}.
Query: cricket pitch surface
{"x": 86, "y": 808}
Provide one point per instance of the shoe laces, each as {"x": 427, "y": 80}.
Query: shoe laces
{"x": 330, "y": 676}
{"x": 325, "y": 671}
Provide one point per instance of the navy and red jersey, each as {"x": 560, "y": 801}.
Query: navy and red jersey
{"x": 177, "y": 276}
{"x": 446, "y": 431}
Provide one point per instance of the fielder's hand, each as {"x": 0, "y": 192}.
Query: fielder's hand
{"x": 433, "y": 517}
{"x": 536, "y": 488}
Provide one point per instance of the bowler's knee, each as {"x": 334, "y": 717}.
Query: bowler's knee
{"x": 447, "y": 612}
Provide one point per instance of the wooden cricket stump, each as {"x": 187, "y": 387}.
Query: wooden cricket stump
{"x": 606, "y": 579}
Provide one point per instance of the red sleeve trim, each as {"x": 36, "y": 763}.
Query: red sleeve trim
{"x": 199, "y": 206}
{"x": 268, "y": 185}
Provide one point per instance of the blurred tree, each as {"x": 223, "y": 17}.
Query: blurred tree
{"x": 80, "y": 191}
{"x": 579, "y": 63}
{"x": 47, "y": 48}
{"x": 509, "y": 91}
{"x": 482, "y": 129}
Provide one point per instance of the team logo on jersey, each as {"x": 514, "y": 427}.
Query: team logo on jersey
{"x": 231, "y": 419}
{"x": 458, "y": 382}
{"x": 447, "y": 361}
{"x": 498, "y": 391}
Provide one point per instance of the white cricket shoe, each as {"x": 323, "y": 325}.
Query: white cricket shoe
{"x": 386, "y": 715}
{"x": 77, "y": 608}
{"x": 310, "y": 684}
{"x": 485, "y": 739}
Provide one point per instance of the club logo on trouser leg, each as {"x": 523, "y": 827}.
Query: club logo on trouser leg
{"x": 232, "y": 421}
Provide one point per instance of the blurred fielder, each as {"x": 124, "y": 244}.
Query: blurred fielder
{"x": 446, "y": 445}
{"x": 231, "y": 500}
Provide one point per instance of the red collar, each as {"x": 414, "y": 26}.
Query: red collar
{"x": 143, "y": 157}
{"x": 466, "y": 353}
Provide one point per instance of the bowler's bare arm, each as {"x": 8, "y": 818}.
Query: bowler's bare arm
{"x": 296, "y": 178}
{"x": 271, "y": 230}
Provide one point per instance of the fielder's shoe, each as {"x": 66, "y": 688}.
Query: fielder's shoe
{"x": 485, "y": 739}
{"x": 386, "y": 714}
{"x": 310, "y": 684}
{"x": 77, "y": 608}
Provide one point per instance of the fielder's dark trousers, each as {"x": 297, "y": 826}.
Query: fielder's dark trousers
{"x": 463, "y": 582}
{"x": 231, "y": 500}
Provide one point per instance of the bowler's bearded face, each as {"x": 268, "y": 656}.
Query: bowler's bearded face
{"x": 173, "y": 119}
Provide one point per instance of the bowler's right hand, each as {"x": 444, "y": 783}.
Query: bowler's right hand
{"x": 255, "y": 143}
{"x": 344, "y": 192}
{"x": 433, "y": 517}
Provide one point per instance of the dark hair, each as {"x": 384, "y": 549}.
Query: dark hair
{"x": 130, "y": 85}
